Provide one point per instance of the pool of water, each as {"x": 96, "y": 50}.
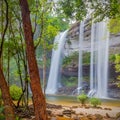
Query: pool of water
{"x": 72, "y": 100}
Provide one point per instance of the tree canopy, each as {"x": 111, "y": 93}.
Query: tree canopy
{"x": 79, "y": 9}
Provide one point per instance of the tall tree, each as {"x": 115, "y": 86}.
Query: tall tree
{"x": 8, "y": 104}
{"x": 38, "y": 97}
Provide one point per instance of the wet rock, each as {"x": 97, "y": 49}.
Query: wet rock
{"x": 74, "y": 106}
{"x": 75, "y": 117}
{"x": 81, "y": 113}
{"x": 107, "y": 115}
{"x": 107, "y": 109}
{"x": 49, "y": 112}
{"x": 118, "y": 116}
{"x": 51, "y": 106}
{"x": 87, "y": 107}
{"x": 67, "y": 113}
{"x": 99, "y": 117}
{"x": 91, "y": 117}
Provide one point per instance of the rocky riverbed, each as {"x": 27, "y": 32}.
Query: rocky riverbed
{"x": 62, "y": 112}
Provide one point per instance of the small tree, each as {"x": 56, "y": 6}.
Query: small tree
{"x": 95, "y": 101}
{"x": 82, "y": 98}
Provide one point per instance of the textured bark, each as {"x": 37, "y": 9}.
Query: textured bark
{"x": 8, "y": 104}
{"x": 38, "y": 97}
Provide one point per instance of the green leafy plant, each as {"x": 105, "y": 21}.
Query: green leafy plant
{"x": 69, "y": 82}
{"x": 72, "y": 58}
{"x": 15, "y": 92}
{"x": 82, "y": 98}
{"x": 95, "y": 101}
{"x": 112, "y": 58}
{"x": 117, "y": 67}
{"x": 2, "y": 117}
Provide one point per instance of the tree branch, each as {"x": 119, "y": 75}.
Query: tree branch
{"x": 6, "y": 26}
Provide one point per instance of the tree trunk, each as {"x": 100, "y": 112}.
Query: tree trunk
{"x": 38, "y": 97}
{"x": 8, "y": 104}
{"x": 44, "y": 67}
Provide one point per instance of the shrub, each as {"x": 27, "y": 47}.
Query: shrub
{"x": 95, "y": 101}
{"x": 2, "y": 117}
{"x": 15, "y": 92}
{"x": 82, "y": 98}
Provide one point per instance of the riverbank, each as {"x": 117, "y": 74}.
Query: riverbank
{"x": 78, "y": 112}
{"x": 103, "y": 110}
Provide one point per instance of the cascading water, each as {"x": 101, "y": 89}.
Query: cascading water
{"x": 54, "y": 74}
{"x": 99, "y": 60}
{"x": 92, "y": 63}
{"x": 81, "y": 38}
{"x": 98, "y": 49}
{"x": 102, "y": 60}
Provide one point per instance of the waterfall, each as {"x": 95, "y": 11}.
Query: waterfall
{"x": 92, "y": 62}
{"x": 95, "y": 41}
{"x": 54, "y": 74}
{"x": 81, "y": 38}
{"x": 102, "y": 59}
{"x": 99, "y": 60}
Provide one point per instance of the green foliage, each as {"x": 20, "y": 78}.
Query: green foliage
{"x": 86, "y": 58}
{"x": 114, "y": 25}
{"x": 15, "y": 92}
{"x": 69, "y": 82}
{"x": 100, "y": 10}
{"x": 82, "y": 98}
{"x": 95, "y": 101}
{"x": 112, "y": 58}
{"x": 73, "y": 8}
{"x": 2, "y": 117}
{"x": 117, "y": 67}
{"x": 73, "y": 59}
{"x": 0, "y": 98}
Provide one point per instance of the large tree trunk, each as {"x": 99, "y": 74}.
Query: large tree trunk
{"x": 8, "y": 104}
{"x": 38, "y": 97}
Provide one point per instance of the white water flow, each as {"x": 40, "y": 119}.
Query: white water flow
{"x": 102, "y": 59}
{"x": 99, "y": 60}
{"x": 81, "y": 38}
{"x": 92, "y": 62}
{"x": 52, "y": 84}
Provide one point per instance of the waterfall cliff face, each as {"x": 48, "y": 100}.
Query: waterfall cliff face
{"x": 56, "y": 61}
{"x": 98, "y": 48}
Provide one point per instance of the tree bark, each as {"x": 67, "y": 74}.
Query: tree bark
{"x": 38, "y": 97}
{"x": 8, "y": 104}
